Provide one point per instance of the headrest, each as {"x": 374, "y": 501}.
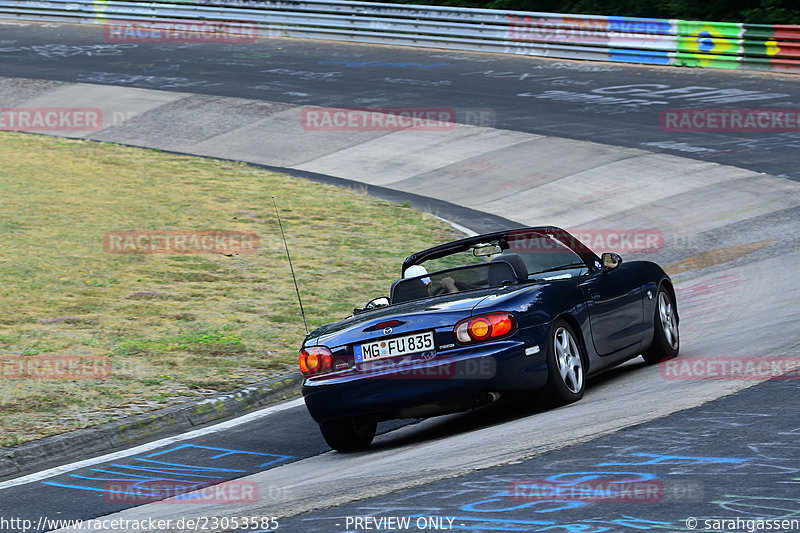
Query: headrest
{"x": 516, "y": 262}
{"x": 405, "y": 290}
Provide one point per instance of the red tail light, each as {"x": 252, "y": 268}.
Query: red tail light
{"x": 315, "y": 360}
{"x": 485, "y": 327}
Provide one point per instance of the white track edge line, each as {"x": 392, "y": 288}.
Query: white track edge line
{"x": 44, "y": 474}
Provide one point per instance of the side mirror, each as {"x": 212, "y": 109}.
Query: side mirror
{"x": 610, "y": 260}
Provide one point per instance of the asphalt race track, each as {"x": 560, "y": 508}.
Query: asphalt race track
{"x": 711, "y": 462}
{"x": 605, "y": 102}
{"x": 714, "y": 448}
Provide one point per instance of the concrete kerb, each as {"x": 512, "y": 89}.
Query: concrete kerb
{"x": 147, "y": 426}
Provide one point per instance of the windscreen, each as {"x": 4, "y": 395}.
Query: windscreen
{"x": 542, "y": 253}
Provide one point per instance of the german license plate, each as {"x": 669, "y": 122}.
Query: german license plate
{"x": 385, "y": 348}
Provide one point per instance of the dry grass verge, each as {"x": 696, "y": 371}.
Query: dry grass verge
{"x": 176, "y": 326}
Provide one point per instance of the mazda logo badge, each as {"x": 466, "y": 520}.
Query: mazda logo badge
{"x": 387, "y": 331}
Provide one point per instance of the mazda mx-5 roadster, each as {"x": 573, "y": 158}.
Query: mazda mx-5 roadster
{"x": 529, "y": 309}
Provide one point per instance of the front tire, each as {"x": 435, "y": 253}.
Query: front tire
{"x": 347, "y": 434}
{"x": 666, "y": 338}
{"x": 566, "y": 376}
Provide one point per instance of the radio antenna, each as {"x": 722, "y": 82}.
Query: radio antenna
{"x": 296, "y": 288}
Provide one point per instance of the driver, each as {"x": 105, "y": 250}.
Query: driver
{"x": 446, "y": 283}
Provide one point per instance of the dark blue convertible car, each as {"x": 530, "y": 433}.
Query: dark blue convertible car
{"x": 523, "y": 309}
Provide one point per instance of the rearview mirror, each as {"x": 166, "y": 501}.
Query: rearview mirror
{"x": 610, "y": 260}
{"x": 484, "y": 250}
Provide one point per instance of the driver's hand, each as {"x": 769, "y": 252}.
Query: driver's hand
{"x": 448, "y": 284}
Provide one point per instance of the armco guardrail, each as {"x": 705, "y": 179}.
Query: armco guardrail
{"x": 635, "y": 40}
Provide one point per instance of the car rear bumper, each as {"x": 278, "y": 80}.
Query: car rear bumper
{"x": 459, "y": 382}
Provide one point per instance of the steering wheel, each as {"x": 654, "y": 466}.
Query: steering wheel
{"x": 441, "y": 290}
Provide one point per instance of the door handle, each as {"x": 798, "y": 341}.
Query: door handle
{"x": 594, "y": 294}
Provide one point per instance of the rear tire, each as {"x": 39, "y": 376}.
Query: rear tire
{"x": 347, "y": 434}
{"x": 666, "y": 338}
{"x": 566, "y": 376}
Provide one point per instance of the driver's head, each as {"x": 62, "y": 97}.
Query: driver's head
{"x": 417, "y": 270}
